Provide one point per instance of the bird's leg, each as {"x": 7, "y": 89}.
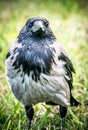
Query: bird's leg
{"x": 63, "y": 111}
{"x": 63, "y": 123}
{"x": 29, "y": 112}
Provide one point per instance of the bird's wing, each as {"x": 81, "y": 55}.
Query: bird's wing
{"x": 68, "y": 68}
{"x": 62, "y": 60}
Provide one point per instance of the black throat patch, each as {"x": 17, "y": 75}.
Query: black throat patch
{"x": 36, "y": 59}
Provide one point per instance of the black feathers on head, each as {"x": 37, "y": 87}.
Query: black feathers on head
{"x": 32, "y": 20}
{"x": 36, "y": 29}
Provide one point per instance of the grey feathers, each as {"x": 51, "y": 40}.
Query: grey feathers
{"x": 68, "y": 67}
{"x": 37, "y": 67}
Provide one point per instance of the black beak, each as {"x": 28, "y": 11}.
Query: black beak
{"x": 38, "y": 28}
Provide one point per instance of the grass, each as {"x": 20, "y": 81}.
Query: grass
{"x": 69, "y": 21}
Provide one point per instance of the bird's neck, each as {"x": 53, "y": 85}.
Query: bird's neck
{"x": 37, "y": 40}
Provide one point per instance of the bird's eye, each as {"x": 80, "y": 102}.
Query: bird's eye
{"x": 29, "y": 25}
{"x": 46, "y": 24}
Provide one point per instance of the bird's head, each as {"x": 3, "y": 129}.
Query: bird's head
{"x": 36, "y": 27}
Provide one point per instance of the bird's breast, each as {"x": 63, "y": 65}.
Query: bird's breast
{"x": 36, "y": 59}
{"x": 36, "y": 75}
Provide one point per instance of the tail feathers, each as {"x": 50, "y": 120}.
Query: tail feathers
{"x": 74, "y": 102}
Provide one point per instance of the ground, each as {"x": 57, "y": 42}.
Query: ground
{"x": 69, "y": 21}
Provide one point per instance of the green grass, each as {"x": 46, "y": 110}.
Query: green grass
{"x": 69, "y": 21}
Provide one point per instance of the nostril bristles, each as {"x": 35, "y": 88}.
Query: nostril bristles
{"x": 41, "y": 30}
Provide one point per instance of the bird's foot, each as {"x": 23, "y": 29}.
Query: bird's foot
{"x": 63, "y": 124}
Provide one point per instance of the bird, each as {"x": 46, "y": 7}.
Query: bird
{"x": 39, "y": 69}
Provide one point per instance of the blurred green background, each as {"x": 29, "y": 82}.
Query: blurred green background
{"x": 69, "y": 22}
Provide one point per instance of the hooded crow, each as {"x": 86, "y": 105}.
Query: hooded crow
{"x": 39, "y": 70}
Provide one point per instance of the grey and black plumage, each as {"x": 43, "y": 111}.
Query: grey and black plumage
{"x": 39, "y": 70}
